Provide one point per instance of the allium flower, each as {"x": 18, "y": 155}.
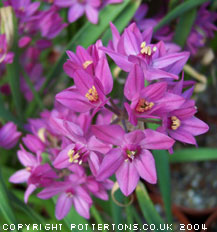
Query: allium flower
{"x": 34, "y": 173}
{"x": 131, "y": 159}
{"x": 51, "y": 24}
{"x": 9, "y": 135}
{"x": 78, "y": 8}
{"x": 202, "y": 29}
{"x": 70, "y": 193}
{"x": 148, "y": 102}
{"x": 135, "y": 47}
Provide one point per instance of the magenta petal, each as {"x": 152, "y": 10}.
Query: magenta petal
{"x": 75, "y": 12}
{"x": 127, "y": 177}
{"x": 153, "y": 74}
{"x": 156, "y": 140}
{"x": 119, "y": 59}
{"x": 103, "y": 73}
{"x": 63, "y": 206}
{"x": 31, "y": 188}
{"x": 84, "y": 194}
{"x": 96, "y": 145}
{"x": 134, "y": 83}
{"x": 110, "y": 164}
{"x": 92, "y": 14}
{"x": 93, "y": 162}
{"x": 130, "y": 43}
{"x": 20, "y": 176}
{"x": 73, "y": 100}
{"x": 51, "y": 191}
{"x": 115, "y": 35}
{"x": 134, "y": 137}
{"x": 81, "y": 206}
{"x": 145, "y": 166}
{"x": 182, "y": 136}
{"x": 194, "y": 126}
{"x": 62, "y": 160}
{"x": 63, "y": 3}
{"x": 26, "y": 158}
{"x": 155, "y": 91}
{"x": 112, "y": 134}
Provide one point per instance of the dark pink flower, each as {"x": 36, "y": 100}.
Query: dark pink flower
{"x": 131, "y": 159}
{"x": 9, "y": 135}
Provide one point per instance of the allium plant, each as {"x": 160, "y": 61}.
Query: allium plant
{"x": 90, "y": 141}
{"x": 87, "y": 137}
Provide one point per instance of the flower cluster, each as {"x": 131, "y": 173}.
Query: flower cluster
{"x": 202, "y": 28}
{"x": 73, "y": 150}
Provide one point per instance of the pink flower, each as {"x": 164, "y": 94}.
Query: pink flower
{"x": 131, "y": 159}
{"x": 9, "y": 135}
{"x": 70, "y": 193}
{"x": 78, "y": 8}
{"x": 150, "y": 101}
{"x": 134, "y": 47}
{"x": 5, "y": 56}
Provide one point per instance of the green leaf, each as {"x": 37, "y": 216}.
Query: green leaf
{"x": 193, "y": 155}
{"x": 34, "y": 92}
{"x": 6, "y": 114}
{"x": 16, "y": 202}
{"x": 95, "y": 214}
{"x": 148, "y": 210}
{"x": 122, "y": 20}
{"x": 163, "y": 175}
{"x": 13, "y": 74}
{"x": 178, "y": 11}
{"x": 184, "y": 27}
{"x": 5, "y": 205}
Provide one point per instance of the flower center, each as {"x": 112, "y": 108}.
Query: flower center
{"x": 28, "y": 169}
{"x": 74, "y": 156}
{"x": 69, "y": 193}
{"x": 87, "y": 63}
{"x": 144, "y": 105}
{"x": 147, "y": 49}
{"x": 22, "y": 9}
{"x": 130, "y": 155}
{"x": 92, "y": 94}
{"x": 176, "y": 123}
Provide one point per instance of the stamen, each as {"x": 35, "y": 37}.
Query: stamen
{"x": 69, "y": 194}
{"x": 131, "y": 154}
{"x": 92, "y": 94}
{"x": 147, "y": 49}
{"x": 144, "y": 105}
{"x": 73, "y": 158}
{"x": 28, "y": 169}
{"x": 41, "y": 133}
{"x": 87, "y": 63}
{"x": 176, "y": 123}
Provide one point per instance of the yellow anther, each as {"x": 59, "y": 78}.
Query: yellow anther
{"x": 144, "y": 105}
{"x": 73, "y": 158}
{"x": 87, "y": 63}
{"x": 92, "y": 94}
{"x": 176, "y": 123}
{"x": 143, "y": 44}
{"x": 28, "y": 169}
{"x": 41, "y": 134}
{"x": 131, "y": 154}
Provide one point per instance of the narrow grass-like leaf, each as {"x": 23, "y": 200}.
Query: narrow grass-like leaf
{"x": 97, "y": 217}
{"x": 178, "y": 11}
{"x": 193, "y": 155}
{"x": 6, "y": 114}
{"x": 5, "y": 204}
{"x": 129, "y": 215}
{"x": 148, "y": 210}
{"x": 13, "y": 74}
{"x": 184, "y": 26}
{"x": 163, "y": 175}
{"x": 16, "y": 202}
{"x": 34, "y": 92}
{"x": 122, "y": 20}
